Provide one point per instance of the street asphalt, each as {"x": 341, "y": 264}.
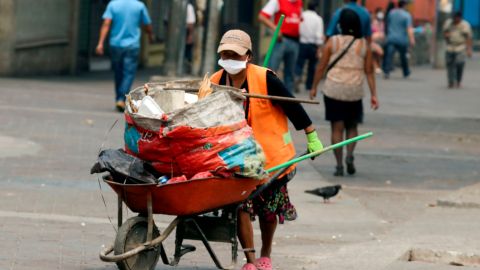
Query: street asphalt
{"x": 413, "y": 203}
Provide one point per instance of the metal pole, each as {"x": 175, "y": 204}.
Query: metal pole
{"x": 201, "y": 69}
{"x": 437, "y": 39}
{"x": 182, "y": 37}
{"x": 75, "y": 11}
{"x": 176, "y": 37}
{"x": 212, "y": 33}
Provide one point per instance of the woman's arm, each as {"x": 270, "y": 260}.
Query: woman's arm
{"x": 294, "y": 111}
{"x": 321, "y": 68}
{"x": 268, "y": 23}
{"x": 369, "y": 71}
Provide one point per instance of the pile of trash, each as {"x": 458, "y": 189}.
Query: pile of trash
{"x": 191, "y": 129}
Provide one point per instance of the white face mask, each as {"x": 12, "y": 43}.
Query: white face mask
{"x": 380, "y": 15}
{"x": 232, "y": 66}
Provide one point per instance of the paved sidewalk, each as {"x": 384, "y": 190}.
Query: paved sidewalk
{"x": 425, "y": 151}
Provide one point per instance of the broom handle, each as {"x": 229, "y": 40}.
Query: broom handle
{"x": 273, "y": 41}
{"x": 279, "y": 98}
{"x": 317, "y": 153}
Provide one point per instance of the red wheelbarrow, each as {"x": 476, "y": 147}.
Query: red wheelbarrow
{"x": 206, "y": 210}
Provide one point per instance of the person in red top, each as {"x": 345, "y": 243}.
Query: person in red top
{"x": 287, "y": 45}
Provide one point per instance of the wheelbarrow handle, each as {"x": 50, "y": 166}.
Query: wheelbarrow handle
{"x": 120, "y": 257}
{"x": 273, "y": 41}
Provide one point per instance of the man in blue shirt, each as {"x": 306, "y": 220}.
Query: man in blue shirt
{"x": 124, "y": 18}
{"x": 399, "y": 37}
{"x": 333, "y": 27}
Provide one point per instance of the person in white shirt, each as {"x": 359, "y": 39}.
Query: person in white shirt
{"x": 458, "y": 35}
{"x": 311, "y": 40}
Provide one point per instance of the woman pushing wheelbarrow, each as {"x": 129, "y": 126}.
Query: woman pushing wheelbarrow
{"x": 203, "y": 163}
{"x": 268, "y": 120}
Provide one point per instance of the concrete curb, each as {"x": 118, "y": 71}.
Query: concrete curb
{"x": 468, "y": 197}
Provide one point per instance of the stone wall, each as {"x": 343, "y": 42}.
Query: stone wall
{"x": 6, "y": 41}
{"x": 38, "y": 35}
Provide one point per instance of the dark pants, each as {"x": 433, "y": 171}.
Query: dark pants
{"x": 390, "y": 49}
{"x": 455, "y": 62}
{"x": 188, "y": 58}
{"x": 124, "y": 65}
{"x": 286, "y": 51}
{"x": 308, "y": 52}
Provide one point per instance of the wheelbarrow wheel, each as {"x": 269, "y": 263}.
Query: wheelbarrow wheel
{"x": 132, "y": 234}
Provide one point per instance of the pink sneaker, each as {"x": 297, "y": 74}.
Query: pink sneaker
{"x": 249, "y": 266}
{"x": 263, "y": 263}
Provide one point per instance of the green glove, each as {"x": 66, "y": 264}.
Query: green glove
{"x": 314, "y": 144}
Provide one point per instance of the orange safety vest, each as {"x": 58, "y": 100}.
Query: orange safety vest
{"x": 268, "y": 121}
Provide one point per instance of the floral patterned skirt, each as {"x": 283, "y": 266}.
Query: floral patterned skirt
{"x": 272, "y": 202}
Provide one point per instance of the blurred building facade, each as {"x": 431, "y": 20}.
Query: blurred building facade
{"x": 37, "y": 37}
{"x": 471, "y": 13}
{"x": 59, "y": 36}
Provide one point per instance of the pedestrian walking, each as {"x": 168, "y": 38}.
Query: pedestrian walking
{"x": 311, "y": 40}
{"x": 390, "y": 6}
{"x": 378, "y": 25}
{"x": 123, "y": 19}
{"x": 378, "y": 38}
{"x": 363, "y": 14}
{"x": 287, "y": 46}
{"x": 349, "y": 58}
{"x": 189, "y": 43}
{"x": 268, "y": 120}
{"x": 399, "y": 37}
{"x": 458, "y": 35}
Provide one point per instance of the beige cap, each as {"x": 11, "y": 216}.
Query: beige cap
{"x": 235, "y": 40}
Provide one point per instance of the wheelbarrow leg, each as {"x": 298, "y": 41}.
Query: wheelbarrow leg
{"x": 233, "y": 221}
{"x": 210, "y": 250}
{"x": 163, "y": 255}
{"x": 120, "y": 212}
{"x": 180, "y": 248}
{"x": 150, "y": 225}
{"x": 150, "y": 217}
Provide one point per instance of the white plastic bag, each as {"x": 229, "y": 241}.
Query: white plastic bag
{"x": 150, "y": 108}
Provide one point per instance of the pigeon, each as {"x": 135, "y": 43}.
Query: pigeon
{"x": 325, "y": 192}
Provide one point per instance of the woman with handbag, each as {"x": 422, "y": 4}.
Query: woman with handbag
{"x": 349, "y": 58}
